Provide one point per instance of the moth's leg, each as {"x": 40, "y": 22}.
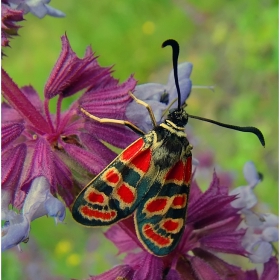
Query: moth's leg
{"x": 147, "y": 106}
{"x": 113, "y": 121}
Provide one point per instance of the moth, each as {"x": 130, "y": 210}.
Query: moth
{"x": 151, "y": 179}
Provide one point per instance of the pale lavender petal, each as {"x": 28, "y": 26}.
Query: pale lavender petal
{"x": 15, "y": 233}
{"x": 252, "y": 219}
{"x": 39, "y": 8}
{"x": 250, "y": 173}
{"x": 150, "y": 92}
{"x": 33, "y": 207}
{"x": 54, "y": 12}
{"x": 118, "y": 272}
{"x": 139, "y": 116}
{"x": 55, "y": 208}
{"x": 270, "y": 219}
{"x": 260, "y": 252}
{"x": 245, "y": 197}
{"x": 270, "y": 234}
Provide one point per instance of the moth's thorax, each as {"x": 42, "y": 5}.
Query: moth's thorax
{"x": 178, "y": 118}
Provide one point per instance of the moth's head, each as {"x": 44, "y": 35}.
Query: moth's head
{"x": 178, "y": 116}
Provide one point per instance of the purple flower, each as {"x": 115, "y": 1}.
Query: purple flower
{"x": 246, "y": 198}
{"x": 38, "y": 8}
{"x": 38, "y": 202}
{"x": 9, "y": 26}
{"x": 159, "y": 97}
{"x": 212, "y": 227}
{"x": 261, "y": 229}
{"x": 65, "y": 148}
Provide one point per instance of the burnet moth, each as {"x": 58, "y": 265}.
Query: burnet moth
{"x": 151, "y": 179}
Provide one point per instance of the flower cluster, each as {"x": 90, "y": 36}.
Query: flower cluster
{"x": 46, "y": 156}
{"x": 65, "y": 148}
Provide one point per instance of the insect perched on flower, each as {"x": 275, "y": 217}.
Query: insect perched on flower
{"x": 151, "y": 177}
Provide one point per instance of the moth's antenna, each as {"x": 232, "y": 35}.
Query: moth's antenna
{"x": 175, "y": 54}
{"x": 251, "y": 129}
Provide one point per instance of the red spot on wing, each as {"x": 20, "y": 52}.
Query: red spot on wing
{"x": 156, "y": 238}
{"x": 126, "y": 194}
{"x": 132, "y": 149}
{"x": 97, "y": 214}
{"x": 156, "y": 205}
{"x": 94, "y": 197}
{"x": 112, "y": 177}
{"x": 179, "y": 201}
{"x": 176, "y": 173}
{"x": 170, "y": 225}
{"x": 142, "y": 160}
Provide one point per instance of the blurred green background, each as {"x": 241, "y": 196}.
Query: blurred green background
{"x": 232, "y": 45}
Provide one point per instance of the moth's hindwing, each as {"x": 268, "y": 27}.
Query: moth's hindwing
{"x": 115, "y": 192}
{"x": 160, "y": 217}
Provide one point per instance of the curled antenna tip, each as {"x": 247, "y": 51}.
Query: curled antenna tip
{"x": 170, "y": 42}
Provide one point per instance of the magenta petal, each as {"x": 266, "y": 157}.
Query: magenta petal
{"x": 10, "y": 131}
{"x": 22, "y": 104}
{"x": 195, "y": 192}
{"x": 71, "y": 74}
{"x": 118, "y": 272}
{"x": 252, "y": 275}
{"x": 109, "y": 102}
{"x": 12, "y": 165}
{"x": 121, "y": 239}
{"x": 229, "y": 242}
{"x": 208, "y": 210}
{"x": 97, "y": 147}
{"x": 173, "y": 275}
{"x": 33, "y": 97}
{"x": 270, "y": 270}
{"x": 221, "y": 267}
{"x": 8, "y": 114}
{"x": 91, "y": 162}
{"x": 150, "y": 267}
{"x": 203, "y": 270}
{"x": 41, "y": 164}
{"x": 64, "y": 180}
{"x": 116, "y": 135}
